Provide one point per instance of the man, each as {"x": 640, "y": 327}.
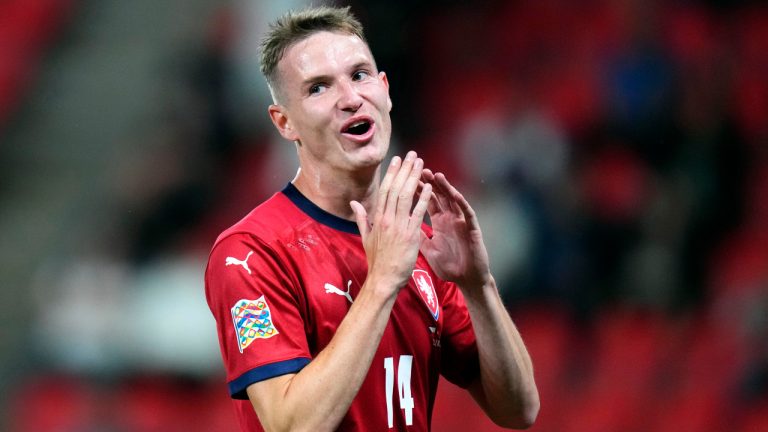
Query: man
{"x": 336, "y": 307}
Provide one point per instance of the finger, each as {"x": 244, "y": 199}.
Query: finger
{"x": 459, "y": 204}
{"x": 419, "y": 188}
{"x": 361, "y": 218}
{"x": 417, "y": 217}
{"x": 386, "y": 184}
{"x": 469, "y": 213}
{"x": 442, "y": 191}
{"x": 432, "y": 206}
{"x": 407, "y": 193}
{"x": 423, "y": 241}
{"x": 428, "y": 177}
{"x": 398, "y": 182}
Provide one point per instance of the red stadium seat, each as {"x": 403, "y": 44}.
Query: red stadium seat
{"x": 53, "y": 403}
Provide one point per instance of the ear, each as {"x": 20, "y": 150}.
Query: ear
{"x": 279, "y": 116}
{"x": 383, "y": 78}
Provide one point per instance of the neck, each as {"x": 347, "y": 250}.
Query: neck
{"x": 333, "y": 193}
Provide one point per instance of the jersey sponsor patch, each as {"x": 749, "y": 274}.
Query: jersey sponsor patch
{"x": 427, "y": 291}
{"x": 252, "y": 320}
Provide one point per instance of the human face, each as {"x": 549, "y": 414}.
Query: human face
{"x": 334, "y": 103}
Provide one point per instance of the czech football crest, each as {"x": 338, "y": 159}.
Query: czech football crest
{"x": 252, "y": 321}
{"x": 427, "y": 291}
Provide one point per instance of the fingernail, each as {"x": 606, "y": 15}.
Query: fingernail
{"x": 410, "y": 156}
{"x": 394, "y": 161}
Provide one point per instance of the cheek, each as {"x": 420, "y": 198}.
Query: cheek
{"x": 314, "y": 120}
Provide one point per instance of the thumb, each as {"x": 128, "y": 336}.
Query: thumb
{"x": 426, "y": 246}
{"x": 361, "y": 218}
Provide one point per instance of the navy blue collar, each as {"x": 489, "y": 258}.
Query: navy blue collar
{"x": 318, "y": 214}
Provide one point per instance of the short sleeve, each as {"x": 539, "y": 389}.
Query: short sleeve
{"x": 257, "y": 311}
{"x": 459, "y": 362}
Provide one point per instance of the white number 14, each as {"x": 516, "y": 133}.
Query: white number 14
{"x": 403, "y": 386}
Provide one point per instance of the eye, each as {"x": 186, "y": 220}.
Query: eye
{"x": 360, "y": 75}
{"x": 317, "y": 88}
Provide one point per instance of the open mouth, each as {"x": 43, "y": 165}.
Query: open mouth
{"x": 358, "y": 127}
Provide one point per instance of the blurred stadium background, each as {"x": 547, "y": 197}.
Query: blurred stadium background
{"x": 616, "y": 153}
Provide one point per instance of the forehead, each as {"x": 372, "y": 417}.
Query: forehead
{"x": 323, "y": 53}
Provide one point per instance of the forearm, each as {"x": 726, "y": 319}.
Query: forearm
{"x": 506, "y": 389}
{"x": 318, "y": 397}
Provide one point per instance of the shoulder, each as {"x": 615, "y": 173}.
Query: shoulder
{"x": 259, "y": 233}
{"x": 267, "y": 221}
{"x": 249, "y": 259}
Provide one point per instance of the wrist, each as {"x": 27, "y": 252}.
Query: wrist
{"x": 479, "y": 287}
{"x": 384, "y": 287}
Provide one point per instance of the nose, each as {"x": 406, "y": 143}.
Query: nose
{"x": 349, "y": 97}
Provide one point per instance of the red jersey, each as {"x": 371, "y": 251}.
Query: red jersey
{"x": 279, "y": 283}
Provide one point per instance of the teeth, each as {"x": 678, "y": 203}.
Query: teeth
{"x": 358, "y": 128}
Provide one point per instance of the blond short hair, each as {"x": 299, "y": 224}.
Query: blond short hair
{"x": 296, "y": 26}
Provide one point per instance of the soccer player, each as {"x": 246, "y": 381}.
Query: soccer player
{"x": 337, "y": 308}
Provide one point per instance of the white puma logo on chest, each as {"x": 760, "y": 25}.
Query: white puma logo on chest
{"x": 330, "y": 289}
{"x": 244, "y": 263}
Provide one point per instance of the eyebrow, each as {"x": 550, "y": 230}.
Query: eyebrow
{"x": 326, "y": 78}
{"x": 315, "y": 79}
{"x": 363, "y": 64}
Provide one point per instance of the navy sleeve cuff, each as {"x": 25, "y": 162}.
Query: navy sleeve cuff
{"x": 238, "y": 385}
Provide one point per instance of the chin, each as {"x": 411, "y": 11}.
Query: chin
{"x": 368, "y": 163}
{"x": 370, "y": 155}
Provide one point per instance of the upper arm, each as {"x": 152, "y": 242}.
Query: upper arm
{"x": 258, "y": 313}
{"x": 265, "y": 397}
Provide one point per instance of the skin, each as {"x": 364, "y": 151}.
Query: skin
{"x": 328, "y": 80}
